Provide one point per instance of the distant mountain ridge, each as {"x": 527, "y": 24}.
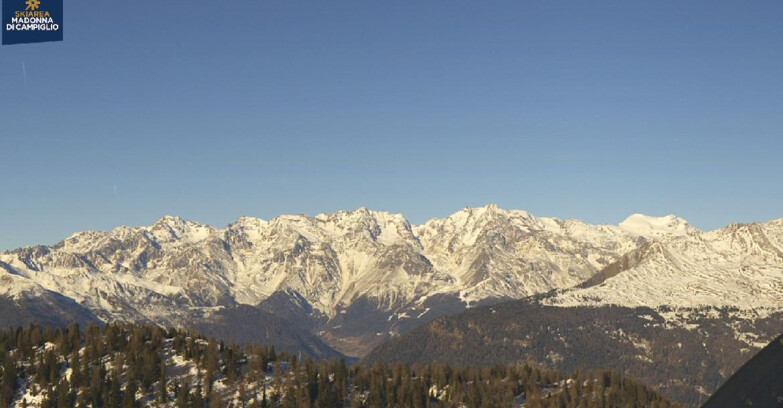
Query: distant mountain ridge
{"x": 332, "y": 265}
{"x": 356, "y": 278}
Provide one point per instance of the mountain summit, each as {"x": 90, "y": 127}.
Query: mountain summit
{"x": 648, "y": 226}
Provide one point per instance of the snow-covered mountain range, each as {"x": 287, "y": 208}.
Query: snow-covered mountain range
{"x": 357, "y": 277}
{"x": 740, "y": 265}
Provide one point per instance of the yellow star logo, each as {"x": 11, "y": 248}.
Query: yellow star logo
{"x": 32, "y": 4}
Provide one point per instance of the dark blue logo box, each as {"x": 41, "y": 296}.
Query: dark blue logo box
{"x": 32, "y": 21}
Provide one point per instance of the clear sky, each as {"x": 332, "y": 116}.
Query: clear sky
{"x": 213, "y": 110}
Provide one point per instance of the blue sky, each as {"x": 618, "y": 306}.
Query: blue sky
{"x": 591, "y": 110}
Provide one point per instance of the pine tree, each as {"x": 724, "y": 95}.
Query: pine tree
{"x": 211, "y": 366}
{"x": 215, "y": 399}
{"x": 129, "y": 396}
{"x": 181, "y": 400}
{"x": 264, "y": 400}
{"x": 114, "y": 394}
{"x": 65, "y": 396}
{"x": 77, "y": 378}
{"x": 8, "y": 382}
{"x": 163, "y": 395}
{"x": 242, "y": 391}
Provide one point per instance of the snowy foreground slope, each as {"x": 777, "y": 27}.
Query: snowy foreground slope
{"x": 358, "y": 277}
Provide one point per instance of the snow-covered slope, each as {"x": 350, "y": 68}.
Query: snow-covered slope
{"x": 492, "y": 252}
{"x": 740, "y": 266}
{"x": 656, "y": 227}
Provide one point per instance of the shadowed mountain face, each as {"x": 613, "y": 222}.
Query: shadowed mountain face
{"x": 241, "y": 324}
{"x": 758, "y": 383}
{"x": 247, "y": 324}
{"x": 46, "y": 309}
{"x": 684, "y": 358}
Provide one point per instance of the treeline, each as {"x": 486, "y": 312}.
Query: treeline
{"x": 440, "y": 385}
{"x": 142, "y": 366}
{"x": 681, "y": 360}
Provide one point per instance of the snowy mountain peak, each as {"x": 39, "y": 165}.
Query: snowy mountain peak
{"x": 169, "y": 219}
{"x": 656, "y": 227}
{"x": 486, "y": 209}
{"x": 245, "y": 221}
{"x": 479, "y": 216}
{"x": 361, "y": 213}
{"x": 246, "y": 229}
{"x": 173, "y": 228}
